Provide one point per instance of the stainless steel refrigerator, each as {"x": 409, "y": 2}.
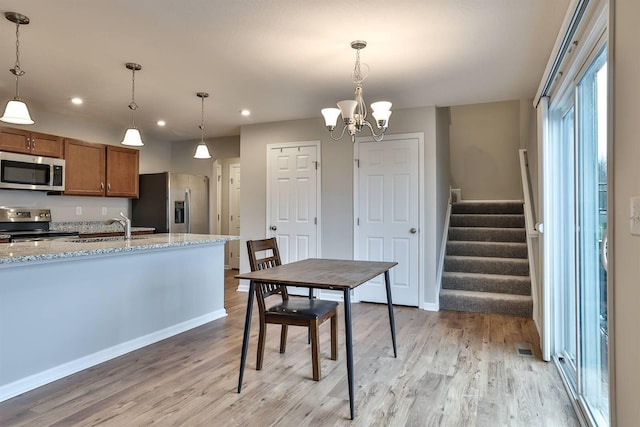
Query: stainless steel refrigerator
{"x": 172, "y": 203}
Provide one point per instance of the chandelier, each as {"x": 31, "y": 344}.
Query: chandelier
{"x": 132, "y": 136}
{"x": 16, "y": 111}
{"x": 354, "y": 112}
{"x": 202, "y": 151}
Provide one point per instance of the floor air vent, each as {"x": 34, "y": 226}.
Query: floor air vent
{"x": 524, "y": 349}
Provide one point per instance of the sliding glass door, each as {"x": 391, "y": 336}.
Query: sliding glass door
{"x": 591, "y": 221}
{"x": 576, "y": 197}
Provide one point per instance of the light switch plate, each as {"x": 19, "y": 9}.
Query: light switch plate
{"x": 104, "y": 211}
{"x": 635, "y": 216}
{"x": 79, "y": 210}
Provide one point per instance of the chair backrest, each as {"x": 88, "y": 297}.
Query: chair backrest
{"x": 270, "y": 258}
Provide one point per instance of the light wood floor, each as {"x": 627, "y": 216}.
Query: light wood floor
{"x": 453, "y": 369}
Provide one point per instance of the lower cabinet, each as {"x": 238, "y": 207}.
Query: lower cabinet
{"x": 100, "y": 170}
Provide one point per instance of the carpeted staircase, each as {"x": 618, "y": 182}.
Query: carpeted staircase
{"x": 486, "y": 268}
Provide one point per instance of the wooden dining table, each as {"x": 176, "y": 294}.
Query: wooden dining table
{"x": 332, "y": 274}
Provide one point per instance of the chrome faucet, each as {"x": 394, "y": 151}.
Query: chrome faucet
{"x": 124, "y": 222}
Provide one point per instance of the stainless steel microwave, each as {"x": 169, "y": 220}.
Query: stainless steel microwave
{"x": 28, "y": 172}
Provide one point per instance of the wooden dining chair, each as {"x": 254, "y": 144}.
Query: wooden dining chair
{"x": 287, "y": 311}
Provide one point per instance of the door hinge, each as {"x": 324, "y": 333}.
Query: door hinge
{"x": 357, "y": 163}
{"x": 357, "y": 221}
{"x": 231, "y": 180}
{"x": 219, "y": 178}
{"x": 231, "y": 218}
{"x": 218, "y": 217}
{"x": 315, "y": 221}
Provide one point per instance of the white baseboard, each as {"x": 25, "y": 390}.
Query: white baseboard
{"x": 34, "y": 381}
{"x": 430, "y": 306}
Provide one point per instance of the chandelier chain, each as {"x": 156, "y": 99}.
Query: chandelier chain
{"x": 133, "y": 104}
{"x": 202, "y": 121}
{"x": 18, "y": 71}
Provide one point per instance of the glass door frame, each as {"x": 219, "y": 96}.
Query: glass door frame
{"x": 555, "y": 250}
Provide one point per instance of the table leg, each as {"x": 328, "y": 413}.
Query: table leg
{"x": 247, "y": 330}
{"x": 349, "y": 344}
{"x": 392, "y": 321}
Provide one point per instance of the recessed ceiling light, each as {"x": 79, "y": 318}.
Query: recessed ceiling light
{"x": 161, "y": 122}
{"x": 245, "y": 112}
{"x": 76, "y": 100}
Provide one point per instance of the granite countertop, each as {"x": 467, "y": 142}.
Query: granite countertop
{"x": 93, "y": 227}
{"x": 65, "y": 249}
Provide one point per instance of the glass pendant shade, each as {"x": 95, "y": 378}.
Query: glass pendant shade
{"x": 381, "y": 112}
{"x": 381, "y": 106}
{"x": 348, "y": 109}
{"x": 132, "y": 138}
{"x": 330, "y": 116}
{"x": 202, "y": 152}
{"x": 17, "y": 112}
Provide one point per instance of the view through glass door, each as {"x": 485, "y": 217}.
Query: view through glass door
{"x": 593, "y": 380}
{"x": 577, "y": 234}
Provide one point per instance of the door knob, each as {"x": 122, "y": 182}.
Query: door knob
{"x": 413, "y": 230}
{"x": 273, "y": 227}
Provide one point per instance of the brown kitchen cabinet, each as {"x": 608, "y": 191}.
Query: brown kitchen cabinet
{"x": 27, "y": 142}
{"x": 100, "y": 170}
{"x": 122, "y": 171}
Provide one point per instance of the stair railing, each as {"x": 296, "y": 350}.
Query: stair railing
{"x": 530, "y": 227}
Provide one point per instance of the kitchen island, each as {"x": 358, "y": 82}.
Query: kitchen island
{"x": 66, "y": 305}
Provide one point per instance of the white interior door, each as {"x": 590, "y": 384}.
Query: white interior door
{"x": 234, "y": 214}
{"x": 293, "y": 200}
{"x": 387, "y": 216}
{"x": 218, "y": 219}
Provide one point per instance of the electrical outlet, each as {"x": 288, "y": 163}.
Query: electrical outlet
{"x": 635, "y": 216}
{"x": 104, "y": 211}
{"x": 78, "y": 210}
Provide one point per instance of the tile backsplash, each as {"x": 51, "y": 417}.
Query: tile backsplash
{"x": 68, "y": 208}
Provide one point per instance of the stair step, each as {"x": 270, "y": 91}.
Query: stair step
{"x": 488, "y": 249}
{"x": 469, "y": 207}
{"x": 496, "y": 283}
{"x": 486, "y": 265}
{"x": 487, "y": 220}
{"x": 487, "y": 234}
{"x": 486, "y": 302}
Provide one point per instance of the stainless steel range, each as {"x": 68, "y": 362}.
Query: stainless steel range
{"x": 29, "y": 225}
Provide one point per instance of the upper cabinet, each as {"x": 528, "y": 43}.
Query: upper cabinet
{"x": 26, "y": 142}
{"x": 122, "y": 171}
{"x": 100, "y": 170}
{"x": 84, "y": 171}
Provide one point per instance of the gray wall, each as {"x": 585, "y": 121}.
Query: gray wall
{"x": 337, "y": 183}
{"x": 624, "y": 249}
{"x": 485, "y": 139}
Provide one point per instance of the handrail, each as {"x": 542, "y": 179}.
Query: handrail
{"x": 531, "y": 229}
{"x": 529, "y": 209}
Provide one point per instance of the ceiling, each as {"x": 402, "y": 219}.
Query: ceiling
{"x": 281, "y": 59}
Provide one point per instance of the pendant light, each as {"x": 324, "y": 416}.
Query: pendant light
{"x": 354, "y": 112}
{"x": 16, "y": 111}
{"x": 132, "y": 136}
{"x": 202, "y": 151}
